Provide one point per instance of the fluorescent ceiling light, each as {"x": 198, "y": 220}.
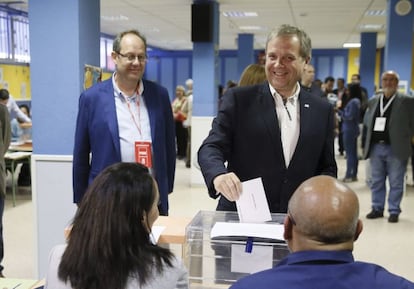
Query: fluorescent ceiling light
{"x": 239, "y": 14}
{"x": 375, "y": 13}
{"x": 371, "y": 27}
{"x": 115, "y": 18}
{"x": 251, "y": 28}
{"x": 351, "y": 45}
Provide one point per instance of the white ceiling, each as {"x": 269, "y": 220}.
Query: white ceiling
{"x": 167, "y": 23}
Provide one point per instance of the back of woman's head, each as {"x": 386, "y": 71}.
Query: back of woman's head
{"x": 109, "y": 229}
{"x": 116, "y": 201}
{"x": 252, "y": 74}
{"x": 354, "y": 90}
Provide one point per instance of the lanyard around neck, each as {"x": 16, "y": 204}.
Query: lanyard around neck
{"x": 137, "y": 123}
{"x": 382, "y": 108}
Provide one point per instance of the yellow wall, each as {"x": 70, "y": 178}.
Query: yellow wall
{"x": 106, "y": 75}
{"x": 16, "y": 78}
{"x": 353, "y": 66}
{"x": 353, "y": 63}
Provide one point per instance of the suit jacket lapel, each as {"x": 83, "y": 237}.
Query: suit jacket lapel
{"x": 397, "y": 102}
{"x": 110, "y": 114}
{"x": 267, "y": 110}
{"x": 150, "y": 104}
{"x": 306, "y": 110}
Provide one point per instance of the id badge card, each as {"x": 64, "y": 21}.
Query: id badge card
{"x": 143, "y": 153}
{"x": 379, "y": 124}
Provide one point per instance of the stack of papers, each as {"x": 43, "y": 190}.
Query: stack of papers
{"x": 266, "y": 231}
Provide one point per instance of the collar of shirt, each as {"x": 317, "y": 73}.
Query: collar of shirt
{"x": 120, "y": 94}
{"x": 344, "y": 256}
{"x": 279, "y": 99}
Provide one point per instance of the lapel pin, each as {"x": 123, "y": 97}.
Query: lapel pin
{"x": 306, "y": 105}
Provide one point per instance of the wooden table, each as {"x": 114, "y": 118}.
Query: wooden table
{"x": 174, "y": 232}
{"x": 21, "y": 147}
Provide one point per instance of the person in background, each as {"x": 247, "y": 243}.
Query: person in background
{"x": 19, "y": 130}
{"x": 125, "y": 118}
{"x": 229, "y": 84}
{"x": 187, "y": 122}
{"x": 356, "y": 78}
{"x": 320, "y": 229}
{"x": 350, "y": 130}
{"x": 110, "y": 243}
{"x": 5, "y": 137}
{"x": 328, "y": 93}
{"x": 340, "y": 104}
{"x": 180, "y": 111}
{"x": 253, "y": 74}
{"x": 307, "y": 81}
{"x": 389, "y": 122}
{"x": 13, "y": 108}
{"x": 274, "y": 130}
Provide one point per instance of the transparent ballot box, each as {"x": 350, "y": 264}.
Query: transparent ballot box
{"x": 219, "y": 261}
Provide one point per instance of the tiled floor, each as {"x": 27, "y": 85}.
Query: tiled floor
{"x": 390, "y": 245}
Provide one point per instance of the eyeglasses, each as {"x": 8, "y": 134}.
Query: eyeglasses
{"x": 131, "y": 57}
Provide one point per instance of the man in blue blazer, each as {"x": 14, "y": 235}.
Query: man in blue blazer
{"x": 276, "y": 130}
{"x": 125, "y": 119}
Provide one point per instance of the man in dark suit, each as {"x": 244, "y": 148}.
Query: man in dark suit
{"x": 389, "y": 122}
{"x": 125, "y": 118}
{"x": 275, "y": 130}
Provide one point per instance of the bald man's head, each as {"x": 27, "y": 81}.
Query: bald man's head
{"x": 324, "y": 211}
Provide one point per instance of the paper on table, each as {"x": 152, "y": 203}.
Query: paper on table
{"x": 156, "y": 232}
{"x": 252, "y": 205}
{"x": 10, "y": 283}
{"x": 268, "y": 231}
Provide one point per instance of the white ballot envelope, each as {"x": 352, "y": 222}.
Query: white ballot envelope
{"x": 252, "y": 205}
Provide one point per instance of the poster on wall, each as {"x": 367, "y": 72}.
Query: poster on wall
{"x": 403, "y": 86}
{"x": 93, "y": 75}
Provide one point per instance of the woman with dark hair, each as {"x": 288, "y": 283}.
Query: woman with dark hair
{"x": 350, "y": 130}
{"x": 109, "y": 245}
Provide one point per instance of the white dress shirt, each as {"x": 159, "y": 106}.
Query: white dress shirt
{"x": 133, "y": 120}
{"x": 289, "y": 121}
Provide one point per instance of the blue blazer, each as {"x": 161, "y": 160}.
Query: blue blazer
{"x": 246, "y": 134}
{"x": 97, "y": 142}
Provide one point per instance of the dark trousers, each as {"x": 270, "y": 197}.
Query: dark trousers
{"x": 350, "y": 145}
{"x": 340, "y": 138}
{"x": 182, "y": 136}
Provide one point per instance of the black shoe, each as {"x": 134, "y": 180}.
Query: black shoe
{"x": 350, "y": 180}
{"x": 1, "y": 275}
{"x": 393, "y": 218}
{"x": 375, "y": 214}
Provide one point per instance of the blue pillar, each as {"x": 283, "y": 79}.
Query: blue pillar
{"x": 245, "y": 53}
{"x": 64, "y": 35}
{"x": 367, "y": 61}
{"x": 205, "y": 70}
{"x": 205, "y": 89}
{"x": 399, "y": 42}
